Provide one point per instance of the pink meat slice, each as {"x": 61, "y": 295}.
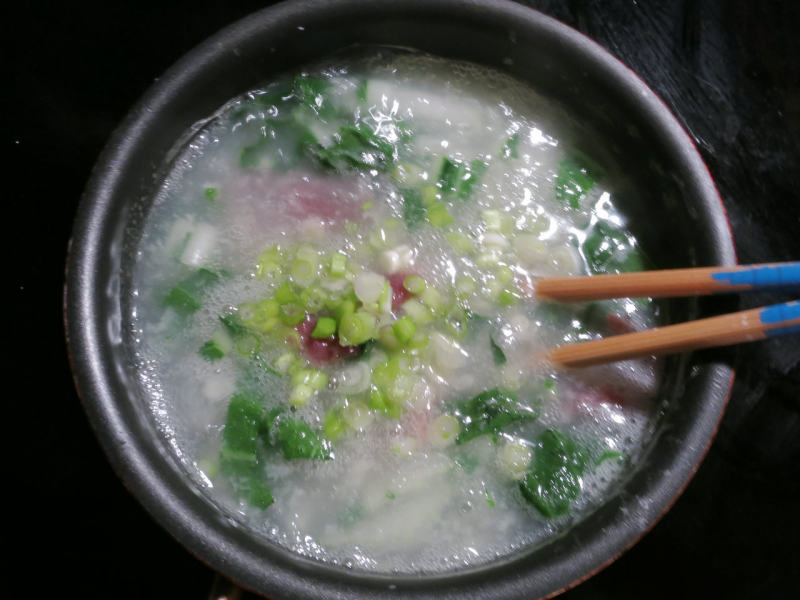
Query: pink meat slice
{"x": 263, "y": 206}
{"x": 322, "y": 351}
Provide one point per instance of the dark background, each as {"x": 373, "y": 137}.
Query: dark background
{"x": 730, "y": 72}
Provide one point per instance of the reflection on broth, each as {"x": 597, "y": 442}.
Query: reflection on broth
{"x": 334, "y": 317}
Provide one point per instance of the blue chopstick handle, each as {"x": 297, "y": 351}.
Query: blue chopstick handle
{"x": 773, "y": 316}
{"x": 785, "y": 275}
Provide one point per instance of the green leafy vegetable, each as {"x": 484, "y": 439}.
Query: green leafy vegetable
{"x": 449, "y": 175}
{"x": 361, "y": 90}
{"x": 187, "y": 296}
{"x": 233, "y": 324}
{"x": 609, "y": 250}
{"x": 573, "y": 182}
{"x": 497, "y": 353}
{"x": 211, "y": 350}
{"x": 298, "y": 440}
{"x": 355, "y": 147}
{"x": 471, "y": 177}
{"x": 609, "y": 455}
{"x": 413, "y": 208}
{"x": 555, "y": 479}
{"x": 285, "y": 140}
{"x": 239, "y": 457}
{"x": 509, "y": 149}
{"x": 211, "y": 193}
{"x": 240, "y": 436}
{"x": 460, "y": 178}
{"x": 310, "y": 91}
{"x": 489, "y": 412}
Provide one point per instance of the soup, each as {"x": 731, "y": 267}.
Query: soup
{"x": 335, "y": 320}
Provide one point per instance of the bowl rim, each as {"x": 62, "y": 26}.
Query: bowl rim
{"x": 183, "y": 512}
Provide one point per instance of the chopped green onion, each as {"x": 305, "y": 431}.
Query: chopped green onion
{"x": 314, "y": 378}
{"x": 324, "y": 328}
{"x": 285, "y": 361}
{"x": 610, "y": 455}
{"x": 460, "y": 242}
{"x": 300, "y": 395}
{"x": 313, "y": 298}
{"x": 356, "y": 415}
{"x": 417, "y": 311}
{"x": 432, "y": 299}
{"x": 377, "y": 399}
{"x": 507, "y": 297}
{"x": 269, "y": 262}
{"x": 443, "y": 431}
{"x": 466, "y": 286}
{"x": 369, "y": 286}
{"x": 404, "y": 329}
{"x": 284, "y": 294}
{"x": 493, "y": 219}
{"x": 338, "y": 265}
{"x": 419, "y": 341}
{"x": 356, "y": 328}
{"x": 414, "y": 284}
{"x": 438, "y": 215}
{"x": 247, "y": 344}
{"x": 303, "y": 271}
{"x": 211, "y": 193}
{"x": 388, "y": 339}
{"x": 343, "y": 308}
{"x": 514, "y": 459}
{"x": 292, "y": 314}
{"x": 332, "y": 425}
{"x": 457, "y": 322}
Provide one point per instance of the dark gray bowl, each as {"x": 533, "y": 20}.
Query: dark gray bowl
{"x": 667, "y": 190}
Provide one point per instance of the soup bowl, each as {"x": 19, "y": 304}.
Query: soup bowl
{"x": 667, "y": 192}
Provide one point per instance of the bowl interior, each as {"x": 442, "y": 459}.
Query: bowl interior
{"x": 663, "y": 187}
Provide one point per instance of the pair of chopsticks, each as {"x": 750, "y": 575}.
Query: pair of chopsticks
{"x": 734, "y": 328}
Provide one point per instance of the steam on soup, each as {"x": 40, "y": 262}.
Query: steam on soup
{"x": 335, "y": 325}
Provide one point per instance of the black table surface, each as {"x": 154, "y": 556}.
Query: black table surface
{"x": 729, "y": 71}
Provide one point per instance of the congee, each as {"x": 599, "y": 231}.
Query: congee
{"x": 334, "y": 321}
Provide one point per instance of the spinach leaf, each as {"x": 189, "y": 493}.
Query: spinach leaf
{"x": 240, "y": 436}
{"x": 509, "y": 149}
{"x": 413, "y": 208}
{"x": 239, "y": 458}
{"x": 555, "y": 479}
{"x": 489, "y": 412}
{"x": 298, "y": 440}
{"x": 497, "y": 353}
{"x": 355, "y": 147}
{"x": 471, "y": 177}
{"x": 285, "y": 140}
{"x": 449, "y": 175}
{"x": 187, "y": 296}
{"x": 609, "y": 250}
{"x": 459, "y": 178}
{"x": 573, "y": 182}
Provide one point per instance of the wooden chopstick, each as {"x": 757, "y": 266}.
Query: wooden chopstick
{"x": 669, "y": 283}
{"x": 734, "y": 328}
